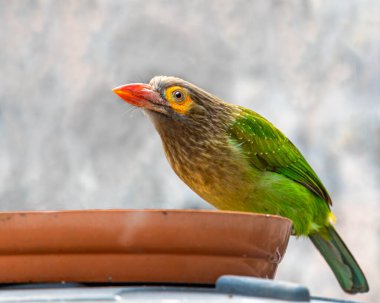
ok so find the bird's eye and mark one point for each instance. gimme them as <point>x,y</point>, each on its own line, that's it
<point>179,99</point>
<point>178,96</point>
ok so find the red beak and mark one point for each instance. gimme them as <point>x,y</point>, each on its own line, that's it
<point>138,94</point>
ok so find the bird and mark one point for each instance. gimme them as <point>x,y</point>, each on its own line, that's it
<point>237,160</point>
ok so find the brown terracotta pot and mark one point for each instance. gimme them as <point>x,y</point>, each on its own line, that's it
<point>182,246</point>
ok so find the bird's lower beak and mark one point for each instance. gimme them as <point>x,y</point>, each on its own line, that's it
<point>138,94</point>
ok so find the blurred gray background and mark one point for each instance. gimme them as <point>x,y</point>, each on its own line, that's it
<point>310,67</point>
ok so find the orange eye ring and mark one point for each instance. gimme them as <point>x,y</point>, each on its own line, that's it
<point>179,99</point>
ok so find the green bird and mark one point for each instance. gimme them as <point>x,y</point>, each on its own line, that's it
<point>237,160</point>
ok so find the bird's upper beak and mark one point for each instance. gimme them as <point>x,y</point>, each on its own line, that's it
<point>139,94</point>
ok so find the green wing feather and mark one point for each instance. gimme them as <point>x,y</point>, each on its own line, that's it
<point>267,148</point>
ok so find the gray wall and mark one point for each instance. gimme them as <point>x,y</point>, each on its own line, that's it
<point>311,67</point>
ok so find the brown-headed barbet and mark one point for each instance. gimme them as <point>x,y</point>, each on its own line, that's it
<point>237,160</point>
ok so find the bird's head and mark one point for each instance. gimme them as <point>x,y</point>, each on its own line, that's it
<point>171,98</point>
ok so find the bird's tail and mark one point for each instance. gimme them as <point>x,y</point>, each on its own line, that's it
<point>347,271</point>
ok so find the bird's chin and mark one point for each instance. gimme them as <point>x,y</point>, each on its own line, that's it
<point>158,119</point>
<point>156,114</point>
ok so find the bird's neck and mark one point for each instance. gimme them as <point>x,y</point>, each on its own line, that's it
<point>188,145</point>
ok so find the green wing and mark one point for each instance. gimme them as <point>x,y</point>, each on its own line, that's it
<point>268,149</point>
